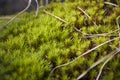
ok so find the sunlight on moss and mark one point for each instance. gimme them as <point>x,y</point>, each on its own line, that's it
<point>31,47</point>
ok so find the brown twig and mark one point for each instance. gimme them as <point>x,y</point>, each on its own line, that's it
<point>91,36</point>
<point>60,19</point>
<point>86,15</point>
<point>78,30</point>
<point>106,33</point>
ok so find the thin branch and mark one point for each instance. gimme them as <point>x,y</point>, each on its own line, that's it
<point>82,55</point>
<point>111,4</point>
<point>55,16</point>
<point>97,35</point>
<point>60,19</point>
<point>78,30</point>
<point>118,27</point>
<point>37,9</point>
<point>6,25</point>
<point>83,12</point>
<point>96,63</point>
<point>7,18</point>
<point>104,34</point>
<point>110,32</point>
<point>100,35</point>
<point>117,51</point>
<point>87,15</point>
<point>46,2</point>
<point>118,22</point>
<point>98,1</point>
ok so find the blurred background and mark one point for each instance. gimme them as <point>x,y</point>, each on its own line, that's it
<point>8,7</point>
<point>12,6</point>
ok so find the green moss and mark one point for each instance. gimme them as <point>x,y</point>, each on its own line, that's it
<point>31,47</point>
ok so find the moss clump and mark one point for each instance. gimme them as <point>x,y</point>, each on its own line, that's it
<point>31,48</point>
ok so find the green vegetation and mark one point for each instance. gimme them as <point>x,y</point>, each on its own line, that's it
<point>31,47</point>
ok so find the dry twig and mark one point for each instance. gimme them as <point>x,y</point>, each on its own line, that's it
<point>37,9</point>
<point>111,4</point>
<point>60,19</point>
<point>96,63</point>
<point>100,35</point>
<point>82,55</point>
<point>118,27</point>
<point>5,26</point>
<point>105,33</point>
<point>87,15</point>
<point>47,2</point>
<point>113,54</point>
<point>8,18</point>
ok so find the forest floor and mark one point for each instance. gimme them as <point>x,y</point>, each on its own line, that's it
<point>67,41</point>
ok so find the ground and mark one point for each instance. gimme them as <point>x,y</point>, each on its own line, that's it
<point>30,47</point>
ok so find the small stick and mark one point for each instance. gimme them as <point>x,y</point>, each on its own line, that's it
<point>96,63</point>
<point>55,16</point>
<point>46,2</point>
<point>7,18</point>
<point>111,4</point>
<point>86,15</point>
<point>82,55</point>
<point>104,34</point>
<point>6,25</point>
<point>78,30</point>
<point>60,19</point>
<point>91,36</point>
<point>98,1</point>
<point>112,31</point>
<point>37,9</point>
<point>118,50</point>
<point>95,35</point>
<point>118,27</point>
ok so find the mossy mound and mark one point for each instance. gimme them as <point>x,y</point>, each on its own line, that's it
<point>30,48</point>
